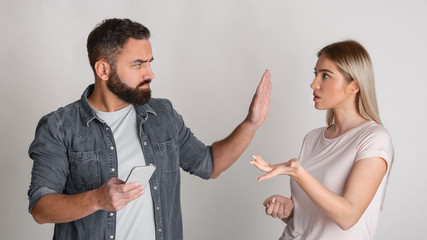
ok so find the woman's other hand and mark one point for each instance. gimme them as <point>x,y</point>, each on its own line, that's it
<point>278,206</point>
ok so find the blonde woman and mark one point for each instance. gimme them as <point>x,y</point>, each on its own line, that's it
<point>338,181</point>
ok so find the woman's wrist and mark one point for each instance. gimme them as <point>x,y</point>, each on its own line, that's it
<point>298,172</point>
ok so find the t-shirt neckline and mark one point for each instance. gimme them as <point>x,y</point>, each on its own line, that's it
<point>344,134</point>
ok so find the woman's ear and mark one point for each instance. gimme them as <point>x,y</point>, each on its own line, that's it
<point>102,69</point>
<point>354,87</point>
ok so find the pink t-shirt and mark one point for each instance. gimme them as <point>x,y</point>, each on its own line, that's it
<point>330,162</point>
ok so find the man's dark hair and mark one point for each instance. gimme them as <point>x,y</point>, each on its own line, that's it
<point>108,38</point>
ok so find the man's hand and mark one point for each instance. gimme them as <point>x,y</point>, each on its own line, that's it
<point>60,208</point>
<point>228,150</point>
<point>115,194</point>
<point>278,206</point>
<point>260,104</point>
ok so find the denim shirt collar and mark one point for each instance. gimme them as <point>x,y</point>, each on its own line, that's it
<point>88,114</point>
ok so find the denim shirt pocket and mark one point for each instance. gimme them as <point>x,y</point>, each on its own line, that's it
<point>85,168</point>
<point>169,152</point>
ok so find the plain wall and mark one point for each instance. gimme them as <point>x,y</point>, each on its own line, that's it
<point>209,57</point>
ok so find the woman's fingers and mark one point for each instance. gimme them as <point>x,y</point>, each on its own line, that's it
<point>260,160</point>
<point>267,201</point>
<point>270,207</point>
<point>260,166</point>
<point>268,176</point>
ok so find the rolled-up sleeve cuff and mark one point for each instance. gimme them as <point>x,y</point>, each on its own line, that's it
<point>42,191</point>
<point>206,167</point>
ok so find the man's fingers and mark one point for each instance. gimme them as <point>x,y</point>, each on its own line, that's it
<point>268,87</point>
<point>127,187</point>
<point>115,181</point>
<point>267,83</point>
<point>133,192</point>
<point>266,77</point>
<point>135,195</point>
<point>264,84</point>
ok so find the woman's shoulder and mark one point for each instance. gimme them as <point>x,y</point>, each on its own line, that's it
<point>316,131</point>
<point>374,130</point>
<point>314,135</point>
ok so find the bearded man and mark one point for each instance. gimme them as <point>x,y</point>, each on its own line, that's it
<point>82,152</point>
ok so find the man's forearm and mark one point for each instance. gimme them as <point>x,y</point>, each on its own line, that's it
<point>228,150</point>
<point>60,208</point>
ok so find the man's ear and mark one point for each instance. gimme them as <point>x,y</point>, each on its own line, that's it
<point>102,69</point>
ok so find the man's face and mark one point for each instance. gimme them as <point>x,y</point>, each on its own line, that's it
<point>130,78</point>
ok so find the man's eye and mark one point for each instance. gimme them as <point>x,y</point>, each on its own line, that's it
<point>137,66</point>
<point>315,74</point>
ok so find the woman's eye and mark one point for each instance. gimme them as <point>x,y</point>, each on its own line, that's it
<point>326,76</point>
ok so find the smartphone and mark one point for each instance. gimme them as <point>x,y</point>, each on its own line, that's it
<point>141,174</point>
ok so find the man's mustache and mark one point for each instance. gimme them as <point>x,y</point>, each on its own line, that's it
<point>144,82</point>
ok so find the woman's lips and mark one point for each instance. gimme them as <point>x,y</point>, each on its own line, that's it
<point>316,97</point>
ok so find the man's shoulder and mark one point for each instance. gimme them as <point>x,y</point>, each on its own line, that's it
<point>68,109</point>
<point>159,104</point>
<point>63,114</point>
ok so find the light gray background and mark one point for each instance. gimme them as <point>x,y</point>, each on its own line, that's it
<point>209,57</point>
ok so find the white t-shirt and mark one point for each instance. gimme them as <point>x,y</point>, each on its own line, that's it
<point>330,162</point>
<point>136,219</point>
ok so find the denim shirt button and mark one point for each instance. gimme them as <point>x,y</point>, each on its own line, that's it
<point>158,208</point>
<point>155,187</point>
<point>160,230</point>
<point>111,214</point>
<point>111,236</point>
<point>113,169</point>
<point>145,143</point>
<point>112,148</point>
<point>106,129</point>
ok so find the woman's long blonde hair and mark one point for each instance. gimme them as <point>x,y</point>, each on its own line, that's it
<point>354,63</point>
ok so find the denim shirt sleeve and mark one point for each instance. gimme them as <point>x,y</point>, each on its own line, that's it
<point>195,157</point>
<point>50,166</point>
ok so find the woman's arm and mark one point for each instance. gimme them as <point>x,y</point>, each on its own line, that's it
<point>361,186</point>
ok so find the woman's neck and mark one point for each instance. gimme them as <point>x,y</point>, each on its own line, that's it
<point>344,121</point>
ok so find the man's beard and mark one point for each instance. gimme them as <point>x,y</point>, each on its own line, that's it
<point>130,95</point>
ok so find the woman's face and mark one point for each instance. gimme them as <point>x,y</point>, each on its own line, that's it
<point>330,89</point>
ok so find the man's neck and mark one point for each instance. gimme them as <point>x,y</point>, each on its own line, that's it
<point>102,99</point>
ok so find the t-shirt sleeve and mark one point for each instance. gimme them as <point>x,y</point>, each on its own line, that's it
<point>376,142</point>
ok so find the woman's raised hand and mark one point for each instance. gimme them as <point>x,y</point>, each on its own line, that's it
<point>287,168</point>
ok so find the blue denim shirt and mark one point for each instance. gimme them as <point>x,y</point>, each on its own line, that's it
<point>74,152</point>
